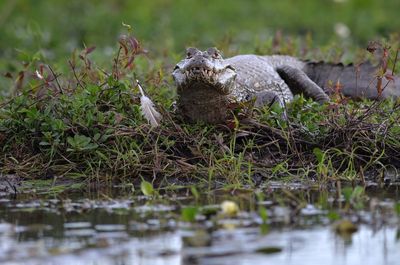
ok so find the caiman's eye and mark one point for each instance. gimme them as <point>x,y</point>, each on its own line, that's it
<point>214,53</point>
<point>190,52</point>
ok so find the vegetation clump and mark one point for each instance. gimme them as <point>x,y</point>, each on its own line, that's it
<point>86,124</point>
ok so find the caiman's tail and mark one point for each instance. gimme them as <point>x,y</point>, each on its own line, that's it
<point>356,81</point>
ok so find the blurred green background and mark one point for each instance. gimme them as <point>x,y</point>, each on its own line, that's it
<point>57,27</point>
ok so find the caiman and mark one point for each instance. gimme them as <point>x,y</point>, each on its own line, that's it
<point>208,85</point>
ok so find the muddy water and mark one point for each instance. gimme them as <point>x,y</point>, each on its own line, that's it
<point>299,227</point>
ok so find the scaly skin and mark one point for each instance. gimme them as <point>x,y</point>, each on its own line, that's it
<point>207,84</point>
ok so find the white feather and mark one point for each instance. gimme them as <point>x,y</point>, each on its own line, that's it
<point>147,108</point>
<point>149,112</point>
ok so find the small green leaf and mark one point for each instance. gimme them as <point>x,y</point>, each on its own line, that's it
<point>333,216</point>
<point>319,154</point>
<point>90,146</point>
<point>147,188</point>
<point>71,141</point>
<point>357,192</point>
<point>102,156</point>
<point>347,191</point>
<point>96,137</point>
<point>263,214</point>
<point>189,214</point>
<point>195,193</point>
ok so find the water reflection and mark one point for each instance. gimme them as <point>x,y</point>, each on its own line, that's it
<point>139,231</point>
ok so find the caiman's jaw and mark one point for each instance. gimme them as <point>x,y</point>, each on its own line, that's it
<point>204,70</point>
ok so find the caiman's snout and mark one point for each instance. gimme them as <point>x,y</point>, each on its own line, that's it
<point>204,69</point>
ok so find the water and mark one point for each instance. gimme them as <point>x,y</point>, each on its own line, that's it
<point>125,229</point>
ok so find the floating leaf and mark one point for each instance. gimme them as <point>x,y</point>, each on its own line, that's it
<point>189,214</point>
<point>269,250</point>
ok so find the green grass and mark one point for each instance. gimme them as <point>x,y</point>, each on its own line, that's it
<point>82,120</point>
<point>55,29</point>
<point>87,122</point>
<point>172,24</point>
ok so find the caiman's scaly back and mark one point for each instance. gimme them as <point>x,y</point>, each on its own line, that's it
<point>356,81</point>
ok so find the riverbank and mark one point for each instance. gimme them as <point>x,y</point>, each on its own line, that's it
<point>84,126</point>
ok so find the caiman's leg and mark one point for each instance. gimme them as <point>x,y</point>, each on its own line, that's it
<point>267,98</point>
<point>299,83</point>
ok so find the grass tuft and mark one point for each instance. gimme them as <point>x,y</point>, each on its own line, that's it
<point>87,122</point>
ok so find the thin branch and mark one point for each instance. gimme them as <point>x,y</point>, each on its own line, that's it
<point>56,79</point>
<point>76,77</point>
<point>395,60</point>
